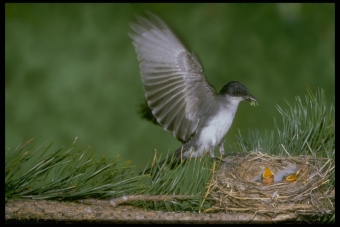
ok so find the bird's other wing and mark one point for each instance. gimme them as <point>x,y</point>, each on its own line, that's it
<point>173,78</point>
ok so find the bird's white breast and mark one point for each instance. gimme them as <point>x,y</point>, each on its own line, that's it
<point>216,129</point>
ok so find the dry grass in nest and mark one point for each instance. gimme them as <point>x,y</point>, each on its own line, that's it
<point>238,187</point>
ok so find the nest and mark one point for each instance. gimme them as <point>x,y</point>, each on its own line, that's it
<point>238,186</point>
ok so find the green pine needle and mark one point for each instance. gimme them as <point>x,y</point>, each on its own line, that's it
<point>66,174</point>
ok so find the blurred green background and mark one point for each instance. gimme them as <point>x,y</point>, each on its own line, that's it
<point>71,69</point>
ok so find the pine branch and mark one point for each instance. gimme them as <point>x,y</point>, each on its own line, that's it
<point>75,173</point>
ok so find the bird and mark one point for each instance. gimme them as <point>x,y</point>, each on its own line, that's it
<point>179,95</point>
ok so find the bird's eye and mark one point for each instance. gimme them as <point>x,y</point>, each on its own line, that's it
<point>238,91</point>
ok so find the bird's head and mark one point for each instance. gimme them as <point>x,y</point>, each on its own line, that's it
<point>237,91</point>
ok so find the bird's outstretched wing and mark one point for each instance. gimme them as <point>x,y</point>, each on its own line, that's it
<point>173,78</point>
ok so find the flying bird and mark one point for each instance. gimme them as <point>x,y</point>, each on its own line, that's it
<point>178,93</point>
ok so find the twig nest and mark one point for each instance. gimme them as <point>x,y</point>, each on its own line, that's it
<point>273,185</point>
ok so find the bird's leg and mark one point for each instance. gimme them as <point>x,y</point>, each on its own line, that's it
<point>221,146</point>
<point>212,152</point>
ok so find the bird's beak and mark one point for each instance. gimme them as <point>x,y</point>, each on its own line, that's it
<point>251,98</point>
